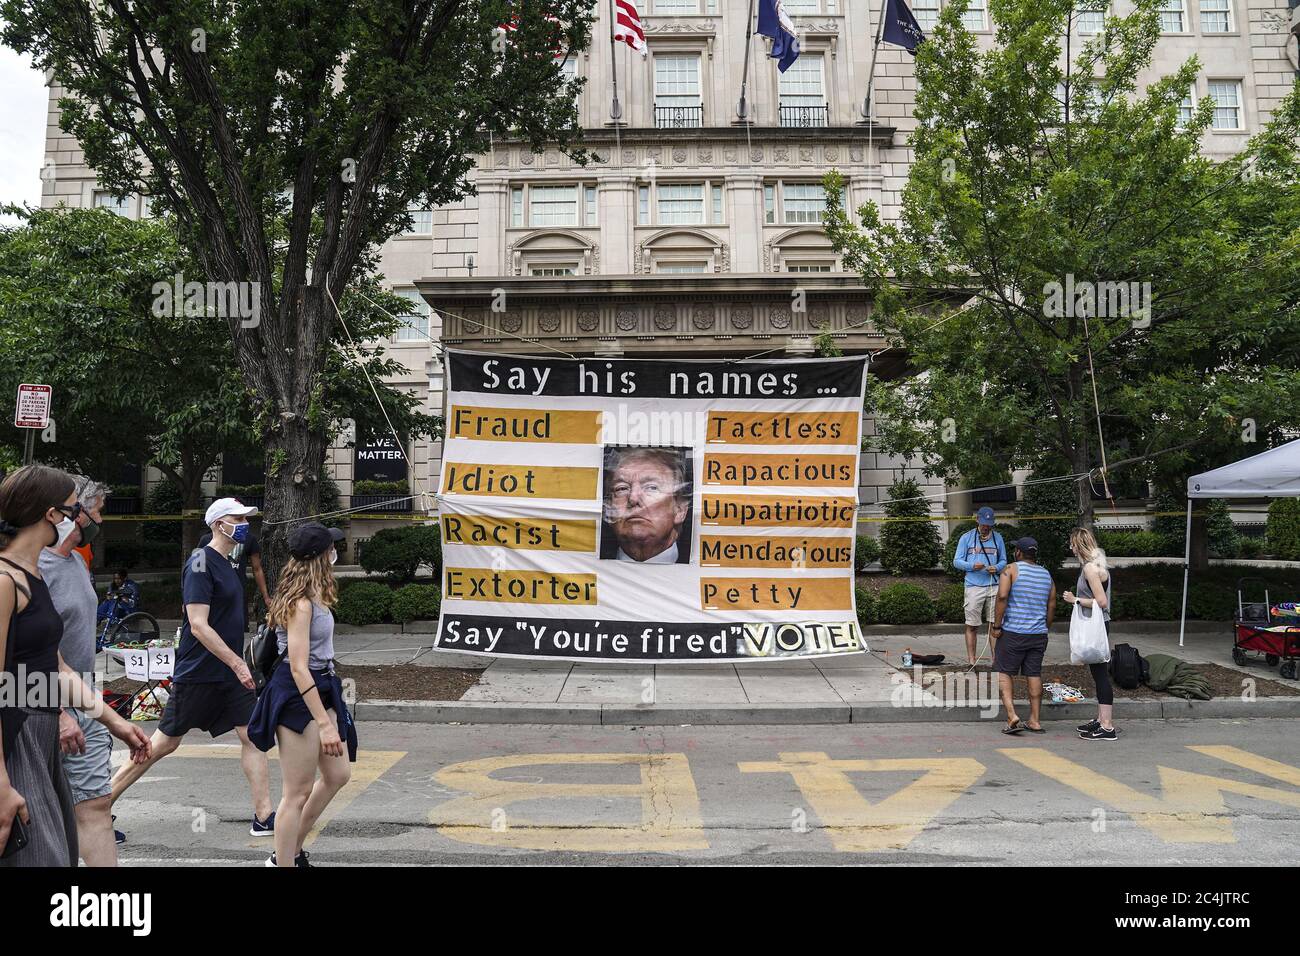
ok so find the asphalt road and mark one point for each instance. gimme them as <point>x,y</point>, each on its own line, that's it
<point>1174,793</point>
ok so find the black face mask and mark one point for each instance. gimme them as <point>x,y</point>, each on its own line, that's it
<point>90,532</point>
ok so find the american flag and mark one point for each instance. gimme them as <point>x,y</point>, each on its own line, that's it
<point>627,25</point>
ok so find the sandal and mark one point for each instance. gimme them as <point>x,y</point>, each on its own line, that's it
<point>1036,730</point>
<point>1014,728</point>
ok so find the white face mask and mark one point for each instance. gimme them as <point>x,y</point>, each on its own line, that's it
<point>334,555</point>
<point>64,529</point>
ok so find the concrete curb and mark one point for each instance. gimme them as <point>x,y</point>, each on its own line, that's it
<point>881,712</point>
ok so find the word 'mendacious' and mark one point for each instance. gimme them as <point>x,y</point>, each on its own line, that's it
<point>646,510</point>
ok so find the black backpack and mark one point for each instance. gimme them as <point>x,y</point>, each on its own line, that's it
<point>1128,668</point>
<point>263,655</point>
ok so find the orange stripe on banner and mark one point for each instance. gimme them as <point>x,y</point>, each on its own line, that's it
<point>775,551</point>
<point>519,534</point>
<point>776,594</point>
<point>783,428</point>
<point>518,587</point>
<point>759,511</point>
<point>520,481</point>
<point>813,471</point>
<point>487,423</point>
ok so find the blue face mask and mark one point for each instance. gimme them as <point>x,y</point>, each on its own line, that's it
<point>239,535</point>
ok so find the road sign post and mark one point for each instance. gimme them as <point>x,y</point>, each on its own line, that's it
<point>32,412</point>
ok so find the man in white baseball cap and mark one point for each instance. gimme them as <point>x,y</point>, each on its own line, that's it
<point>212,688</point>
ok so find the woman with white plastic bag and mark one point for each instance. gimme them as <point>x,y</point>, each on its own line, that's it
<point>1090,629</point>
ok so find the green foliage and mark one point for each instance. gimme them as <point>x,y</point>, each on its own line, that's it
<point>904,603</point>
<point>164,498</point>
<point>330,501</point>
<point>416,602</point>
<point>240,491</point>
<point>950,605</point>
<point>1036,170</point>
<point>865,550</point>
<point>1170,521</point>
<point>1136,544</point>
<point>910,543</point>
<point>1250,548</point>
<point>1052,534</point>
<point>1283,529</point>
<point>364,602</point>
<point>400,552</point>
<point>367,486</point>
<point>866,607</point>
<point>1225,542</point>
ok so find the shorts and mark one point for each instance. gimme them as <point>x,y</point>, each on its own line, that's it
<point>979,602</point>
<point>90,774</point>
<point>216,708</point>
<point>1020,654</point>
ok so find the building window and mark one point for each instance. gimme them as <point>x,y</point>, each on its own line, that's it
<point>680,203</point>
<point>1226,95</point>
<point>803,99</point>
<point>676,6</point>
<point>926,13</point>
<point>973,18</point>
<point>677,91</point>
<point>681,267</point>
<point>803,202</point>
<point>106,200</point>
<point>1216,16</point>
<point>553,205</point>
<point>415,324</point>
<point>769,204</point>
<point>1187,109</point>
<point>556,269</point>
<point>1091,18</point>
<point>572,204</point>
<point>802,8</point>
<point>1171,17</point>
<point>421,223</point>
<point>809,267</point>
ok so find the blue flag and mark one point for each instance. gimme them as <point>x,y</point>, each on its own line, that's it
<point>774,22</point>
<point>901,28</point>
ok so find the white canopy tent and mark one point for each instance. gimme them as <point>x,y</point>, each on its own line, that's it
<point>1271,474</point>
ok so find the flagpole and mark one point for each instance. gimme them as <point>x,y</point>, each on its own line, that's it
<point>615,110</point>
<point>742,111</point>
<point>871,77</point>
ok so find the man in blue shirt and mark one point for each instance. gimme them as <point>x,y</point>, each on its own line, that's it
<point>212,688</point>
<point>982,554</point>
<point>1025,608</point>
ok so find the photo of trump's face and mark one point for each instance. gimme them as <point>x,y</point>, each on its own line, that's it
<point>647,497</point>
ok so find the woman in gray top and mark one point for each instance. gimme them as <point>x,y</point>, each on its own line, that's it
<point>1094,597</point>
<point>302,709</point>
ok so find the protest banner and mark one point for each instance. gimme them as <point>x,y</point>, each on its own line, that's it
<point>650,510</point>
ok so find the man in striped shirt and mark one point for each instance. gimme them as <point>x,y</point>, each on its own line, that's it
<point>1021,620</point>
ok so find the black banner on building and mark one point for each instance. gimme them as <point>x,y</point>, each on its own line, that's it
<point>380,459</point>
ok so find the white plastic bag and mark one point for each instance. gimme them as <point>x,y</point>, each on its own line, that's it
<point>1088,641</point>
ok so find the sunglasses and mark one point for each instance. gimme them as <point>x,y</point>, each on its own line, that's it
<point>72,511</point>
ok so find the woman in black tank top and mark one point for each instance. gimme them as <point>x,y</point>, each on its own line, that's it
<point>38,509</point>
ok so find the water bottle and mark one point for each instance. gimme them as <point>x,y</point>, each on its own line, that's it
<point>907,657</point>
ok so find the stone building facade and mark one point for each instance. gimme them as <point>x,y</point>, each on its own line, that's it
<point>693,233</point>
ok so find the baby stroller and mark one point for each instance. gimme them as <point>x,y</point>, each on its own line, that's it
<point>1268,629</point>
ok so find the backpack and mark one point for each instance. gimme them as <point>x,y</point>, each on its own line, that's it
<point>1128,668</point>
<point>263,655</point>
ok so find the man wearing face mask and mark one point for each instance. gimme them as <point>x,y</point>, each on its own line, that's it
<point>246,555</point>
<point>212,688</point>
<point>86,745</point>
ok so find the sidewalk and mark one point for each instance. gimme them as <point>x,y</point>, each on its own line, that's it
<point>853,688</point>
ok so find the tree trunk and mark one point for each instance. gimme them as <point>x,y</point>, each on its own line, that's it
<point>191,500</point>
<point>1081,456</point>
<point>294,459</point>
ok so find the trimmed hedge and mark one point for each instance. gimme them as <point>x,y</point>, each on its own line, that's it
<point>904,603</point>
<point>1283,529</point>
<point>364,602</point>
<point>1137,544</point>
<point>866,549</point>
<point>950,605</point>
<point>866,607</point>
<point>399,553</point>
<point>367,486</point>
<point>910,543</point>
<point>416,602</point>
